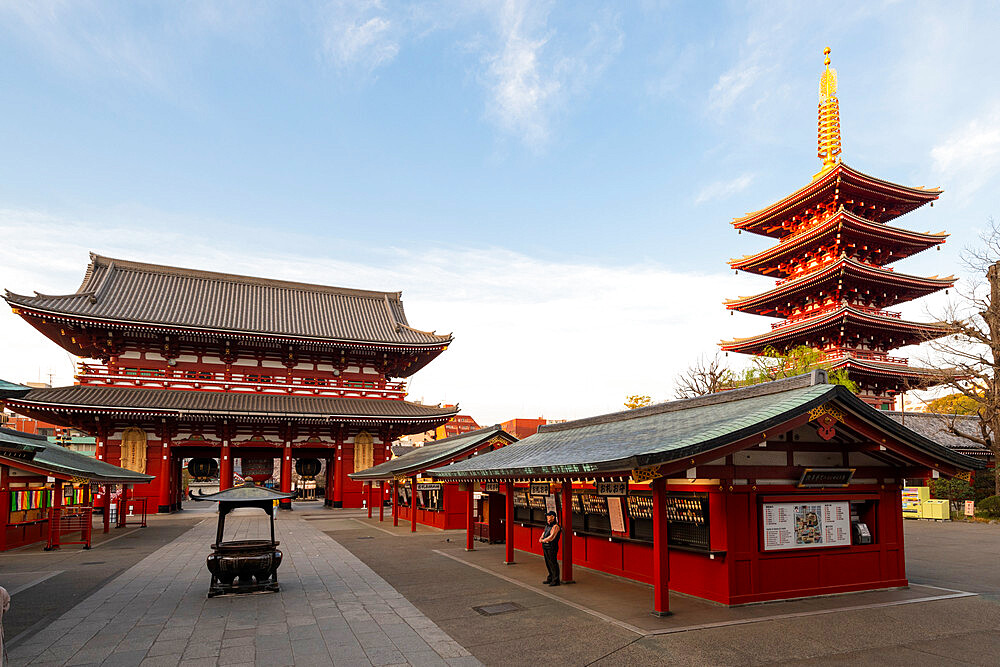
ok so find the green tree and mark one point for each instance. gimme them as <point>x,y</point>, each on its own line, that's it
<point>772,365</point>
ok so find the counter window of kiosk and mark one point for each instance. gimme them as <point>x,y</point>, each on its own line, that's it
<point>595,509</point>
<point>537,505</point>
<point>687,518</point>
<point>522,512</point>
<point>431,499</point>
<point>579,519</point>
<point>29,503</point>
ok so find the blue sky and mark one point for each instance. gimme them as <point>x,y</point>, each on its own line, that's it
<point>552,181</point>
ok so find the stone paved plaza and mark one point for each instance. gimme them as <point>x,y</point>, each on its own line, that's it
<point>332,609</point>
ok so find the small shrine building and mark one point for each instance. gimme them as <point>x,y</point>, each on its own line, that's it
<point>185,363</point>
<point>780,490</point>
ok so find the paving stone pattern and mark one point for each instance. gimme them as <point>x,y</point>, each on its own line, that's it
<point>332,609</point>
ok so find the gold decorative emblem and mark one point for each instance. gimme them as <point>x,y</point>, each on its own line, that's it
<point>826,409</point>
<point>826,416</point>
<point>646,474</point>
<point>965,476</point>
<point>134,449</point>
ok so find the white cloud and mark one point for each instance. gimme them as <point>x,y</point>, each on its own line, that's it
<point>723,189</point>
<point>533,337</point>
<point>970,156</point>
<point>530,77</point>
<point>731,85</point>
<point>359,33</point>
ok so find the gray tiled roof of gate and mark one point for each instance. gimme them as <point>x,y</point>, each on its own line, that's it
<point>228,403</point>
<point>431,454</point>
<point>932,427</point>
<point>8,389</point>
<point>58,459</point>
<point>675,430</point>
<point>126,291</point>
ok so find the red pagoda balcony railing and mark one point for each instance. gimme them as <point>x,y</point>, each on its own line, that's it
<point>829,309</point>
<point>866,355</point>
<point>207,380</point>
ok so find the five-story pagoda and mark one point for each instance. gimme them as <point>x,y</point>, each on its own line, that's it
<point>833,285</point>
<point>198,364</point>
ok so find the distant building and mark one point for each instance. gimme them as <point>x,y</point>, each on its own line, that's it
<point>458,425</point>
<point>521,428</point>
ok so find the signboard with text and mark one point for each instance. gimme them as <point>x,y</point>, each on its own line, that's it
<point>539,489</point>
<point>805,525</point>
<point>820,478</point>
<point>429,486</point>
<point>617,488</point>
<point>492,487</point>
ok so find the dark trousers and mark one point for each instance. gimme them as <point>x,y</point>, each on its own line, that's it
<point>551,562</point>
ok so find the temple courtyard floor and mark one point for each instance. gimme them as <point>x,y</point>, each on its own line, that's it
<point>355,592</point>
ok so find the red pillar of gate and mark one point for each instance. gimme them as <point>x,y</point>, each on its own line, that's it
<point>381,501</point>
<point>338,474</point>
<point>567,531</point>
<point>395,502</point>
<point>369,500</point>
<point>107,508</point>
<point>165,477</point>
<point>225,467</point>
<point>413,504</point>
<point>286,475</point>
<point>661,553</point>
<point>328,490</point>
<point>509,523</point>
<point>469,515</point>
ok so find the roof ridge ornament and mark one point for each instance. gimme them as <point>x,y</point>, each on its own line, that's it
<point>828,139</point>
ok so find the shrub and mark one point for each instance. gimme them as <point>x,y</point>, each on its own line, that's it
<point>953,489</point>
<point>989,506</point>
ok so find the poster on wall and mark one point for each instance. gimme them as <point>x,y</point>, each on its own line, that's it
<point>616,514</point>
<point>806,525</point>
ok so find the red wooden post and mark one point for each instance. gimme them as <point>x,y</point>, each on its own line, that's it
<point>286,475</point>
<point>55,515</point>
<point>107,508</point>
<point>509,524</point>
<point>413,504</point>
<point>381,501</point>
<point>395,502</point>
<point>166,473</point>
<point>225,467</point>
<point>469,518</point>
<point>661,552</point>
<point>370,499</point>
<point>567,531</point>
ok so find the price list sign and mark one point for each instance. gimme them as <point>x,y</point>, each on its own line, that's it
<point>806,525</point>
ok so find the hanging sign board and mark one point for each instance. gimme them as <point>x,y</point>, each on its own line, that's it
<point>616,514</point>
<point>618,488</point>
<point>806,525</point>
<point>823,478</point>
<point>550,504</point>
<point>429,486</point>
<point>492,487</point>
<point>539,489</point>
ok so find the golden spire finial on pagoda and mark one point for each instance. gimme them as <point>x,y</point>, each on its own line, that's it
<point>829,118</point>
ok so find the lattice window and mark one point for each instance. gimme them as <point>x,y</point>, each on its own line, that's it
<point>364,451</point>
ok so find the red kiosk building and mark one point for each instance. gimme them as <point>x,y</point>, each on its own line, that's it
<point>419,498</point>
<point>833,285</point>
<point>780,490</point>
<point>203,364</point>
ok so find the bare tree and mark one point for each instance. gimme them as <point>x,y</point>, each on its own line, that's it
<point>705,376</point>
<point>970,352</point>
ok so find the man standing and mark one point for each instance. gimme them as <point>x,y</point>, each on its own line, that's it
<point>550,547</point>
